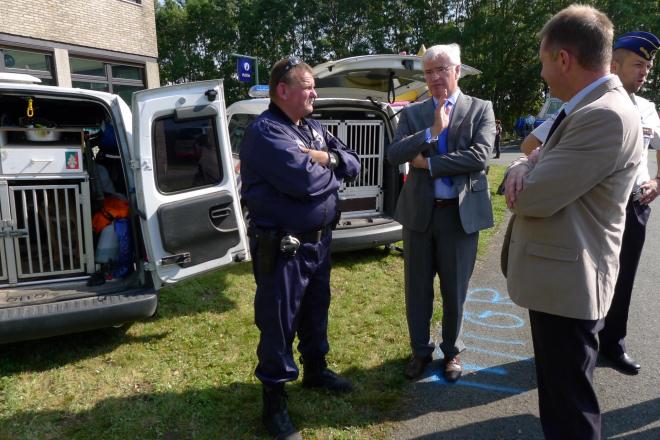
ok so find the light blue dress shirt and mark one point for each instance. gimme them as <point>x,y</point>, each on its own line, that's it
<point>442,190</point>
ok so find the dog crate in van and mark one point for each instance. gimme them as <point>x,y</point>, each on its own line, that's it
<point>45,206</point>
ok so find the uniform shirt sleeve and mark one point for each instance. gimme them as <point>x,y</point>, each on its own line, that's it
<point>541,132</point>
<point>276,157</point>
<point>652,120</point>
<point>349,163</point>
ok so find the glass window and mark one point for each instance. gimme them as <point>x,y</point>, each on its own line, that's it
<point>80,66</point>
<point>18,59</point>
<point>127,72</point>
<point>186,154</point>
<point>32,63</point>
<point>125,91</point>
<point>237,126</point>
<point>120,79</point>
<point>103,87</point>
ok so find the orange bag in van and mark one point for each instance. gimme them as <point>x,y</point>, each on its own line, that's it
<point>113,208</point>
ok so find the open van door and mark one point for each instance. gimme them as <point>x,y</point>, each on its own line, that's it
<point>383,77</point>
<point>186,188</point>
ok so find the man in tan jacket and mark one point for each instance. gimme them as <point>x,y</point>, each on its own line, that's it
<point>569,200</point>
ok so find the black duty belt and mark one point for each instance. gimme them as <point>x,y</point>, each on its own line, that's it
<point>312,236</point>
<point>441,203</point>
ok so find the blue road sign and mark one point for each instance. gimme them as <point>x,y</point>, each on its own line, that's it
<point>244,69</point>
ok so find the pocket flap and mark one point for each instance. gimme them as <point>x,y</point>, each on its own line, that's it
<point>552,252</point>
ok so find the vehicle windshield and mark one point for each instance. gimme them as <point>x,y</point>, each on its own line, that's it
<point>554,106</point>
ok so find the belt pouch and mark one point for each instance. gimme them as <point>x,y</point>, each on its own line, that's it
<point>267,248</point>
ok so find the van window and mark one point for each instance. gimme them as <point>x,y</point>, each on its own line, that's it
<point>237,126</point>
<point>554,107</point>
<point>186,154</point>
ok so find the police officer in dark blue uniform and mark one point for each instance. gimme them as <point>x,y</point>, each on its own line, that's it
<point>291,169</point>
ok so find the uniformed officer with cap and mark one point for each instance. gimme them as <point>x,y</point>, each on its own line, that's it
<point>291,169</point>
<point>632,60</point>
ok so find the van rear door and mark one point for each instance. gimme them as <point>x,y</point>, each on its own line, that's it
<point>186,188</point>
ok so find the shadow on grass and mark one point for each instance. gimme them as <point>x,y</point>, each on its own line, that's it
<point>207,293</point>
<point>50,353</point>
<point>233,410</point>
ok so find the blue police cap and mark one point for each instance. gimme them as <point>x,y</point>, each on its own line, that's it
<point>644,44</point>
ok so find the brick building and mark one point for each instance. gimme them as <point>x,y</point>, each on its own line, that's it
<point>107,45</point>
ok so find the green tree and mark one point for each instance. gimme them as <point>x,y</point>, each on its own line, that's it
<point>197,37</point>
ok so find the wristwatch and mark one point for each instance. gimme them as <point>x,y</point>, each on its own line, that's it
<point>333,160</point>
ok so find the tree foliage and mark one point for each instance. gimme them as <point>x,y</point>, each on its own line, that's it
<point>196,38</point>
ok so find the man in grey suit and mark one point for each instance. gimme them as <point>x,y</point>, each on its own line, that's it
<point>443,205</point>
<point>570,200</point>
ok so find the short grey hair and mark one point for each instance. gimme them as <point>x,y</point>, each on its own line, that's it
<point>451,51</point>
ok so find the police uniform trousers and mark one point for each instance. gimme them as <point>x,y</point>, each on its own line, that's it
<point>294,299</point>
<point>447,250</point>
<point>612,336</point>
<point>565,353</point>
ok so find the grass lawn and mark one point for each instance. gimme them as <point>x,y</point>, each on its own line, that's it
<point>188,372</point>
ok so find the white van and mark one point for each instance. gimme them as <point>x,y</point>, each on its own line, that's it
<point>358,102</point>
<point>77,162</point>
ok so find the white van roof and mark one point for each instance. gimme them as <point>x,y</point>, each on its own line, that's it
<point>18,78</point>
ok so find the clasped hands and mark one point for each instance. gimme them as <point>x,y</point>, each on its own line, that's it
<point>516,175</point>
<point>440,122</point>
<point>650,191</point>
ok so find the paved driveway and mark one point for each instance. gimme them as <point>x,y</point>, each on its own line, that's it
<point>497,397</point>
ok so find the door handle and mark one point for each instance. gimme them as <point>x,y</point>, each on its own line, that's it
<point>220,213</point>
<point>223,219</point>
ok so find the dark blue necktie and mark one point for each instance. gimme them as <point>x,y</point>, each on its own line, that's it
<point>442,146</point>
<point>560,117</point>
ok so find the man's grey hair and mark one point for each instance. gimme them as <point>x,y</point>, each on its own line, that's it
<point>451,51</point>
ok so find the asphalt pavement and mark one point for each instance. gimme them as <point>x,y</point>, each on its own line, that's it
<point>497,396</point>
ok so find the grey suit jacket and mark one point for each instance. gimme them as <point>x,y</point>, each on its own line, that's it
<point>563,254</point>
<point>471,135</point>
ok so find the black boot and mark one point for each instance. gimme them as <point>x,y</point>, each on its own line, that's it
<point>275,415</point>
<point>318,375</point>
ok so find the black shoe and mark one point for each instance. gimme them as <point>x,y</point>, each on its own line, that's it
<point>316,374</point>
<point>416,366</point>
<point>624,363</point>
<point>275,416</point>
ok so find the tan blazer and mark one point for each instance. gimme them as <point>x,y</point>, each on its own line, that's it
<point>566,236</point>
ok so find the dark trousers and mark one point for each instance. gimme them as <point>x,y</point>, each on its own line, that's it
<point>497,145</point>
<point>448,251</point>
<point>612,336</point>
<point>294,299</point>
<point>565,352</point>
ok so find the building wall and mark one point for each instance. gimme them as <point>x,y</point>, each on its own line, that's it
<point>116,25</point>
